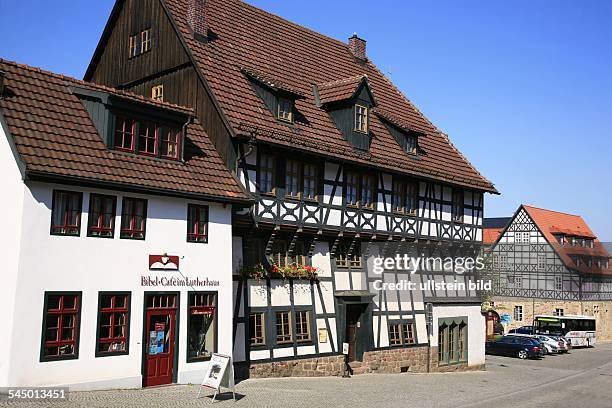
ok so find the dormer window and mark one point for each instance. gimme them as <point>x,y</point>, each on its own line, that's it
<point>411,144</point>
<point>157,140</point>
<point>170,143</point>
<point>147,139</point>
<point>124,133</point>
<point>361,119</point>
<point>285,109</point>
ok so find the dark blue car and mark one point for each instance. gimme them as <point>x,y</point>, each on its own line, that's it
<point>515,346</point>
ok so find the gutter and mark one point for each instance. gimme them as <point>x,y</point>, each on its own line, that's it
<point>82,181</point>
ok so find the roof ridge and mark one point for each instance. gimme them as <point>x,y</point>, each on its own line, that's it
<point>343,80</point>
<point>553,211</point>
<point>67,78</point>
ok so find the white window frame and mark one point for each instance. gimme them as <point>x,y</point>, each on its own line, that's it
<point>541,262</point>
<point>518,313</point>
<point>361,118</point>
<point>558,283</point>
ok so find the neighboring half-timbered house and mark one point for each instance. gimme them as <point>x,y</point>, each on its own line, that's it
<point>343,168</point>
<point>551,263</point>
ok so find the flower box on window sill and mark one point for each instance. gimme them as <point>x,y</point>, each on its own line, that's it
<point>293,271</point>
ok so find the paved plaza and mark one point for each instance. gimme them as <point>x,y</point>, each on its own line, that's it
<point>582,378</point>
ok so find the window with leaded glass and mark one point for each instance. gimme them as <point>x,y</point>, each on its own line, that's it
<point>257,330</point>
<point>310,181</point>
<point>405,196</point>
<point>197,223</point>
<point>133,218</point>
<point>66,213</point>
<point>113,324</point>
<point>352,188</point>
<point>292,177</point>
<point>368,184</point>
<point>101,221</point>
<point>61,321</point>
<point>457,205</point>
<point>202,323</point>
<point>125,130</point>
<point>283,327</point>
<point>266,173</point>
<point>302,326</point>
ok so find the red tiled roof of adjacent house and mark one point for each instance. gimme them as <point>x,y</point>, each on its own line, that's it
<point>490,235</point>
<point>55,137</point>
<point>553,222</point>
<point>245,36</point>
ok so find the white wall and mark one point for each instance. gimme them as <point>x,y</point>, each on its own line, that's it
<point>90,265</point>
<point>476,329</point>
<point>11,206</point>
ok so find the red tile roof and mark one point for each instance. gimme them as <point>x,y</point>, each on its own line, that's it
<point>339,90</point>
<point>55,137</point>
<point>490,235</point>
<point>553,222</point>
<point>245,36</point>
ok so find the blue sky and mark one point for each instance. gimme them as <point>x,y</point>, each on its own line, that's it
<point>523,88</point>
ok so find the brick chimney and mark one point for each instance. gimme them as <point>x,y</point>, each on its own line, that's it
<point>196,18</point>
<point>357,46</point>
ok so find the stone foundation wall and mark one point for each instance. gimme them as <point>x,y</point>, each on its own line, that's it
<point>307,367</point>
<point>531,307</point>
<point>397,360</point>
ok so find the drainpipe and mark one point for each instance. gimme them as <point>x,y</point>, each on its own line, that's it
<point>184,135</point>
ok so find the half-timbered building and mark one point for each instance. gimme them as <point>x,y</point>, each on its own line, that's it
<point>117,245</point>
<point>343,169</point>
<point>551,263</point>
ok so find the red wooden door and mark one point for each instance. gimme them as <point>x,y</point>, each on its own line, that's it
<point>159,351</point>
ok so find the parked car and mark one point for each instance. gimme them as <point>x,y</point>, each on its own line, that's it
<point>564,344</point>
<point>515,346</point>
<point>549,345</point>
<point>523,330</point>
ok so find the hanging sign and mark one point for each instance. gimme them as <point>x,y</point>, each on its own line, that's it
<point>345,348</point>
<point>220,373</point>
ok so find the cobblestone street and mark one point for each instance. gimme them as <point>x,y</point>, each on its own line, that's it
<point>581,378</point>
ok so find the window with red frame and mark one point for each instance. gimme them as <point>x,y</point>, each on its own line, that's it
<point>60,339</point>
<point>125,130</point>
<point>101,221</point>
<point>147,138</point>
<point>113,324</point>
<point>66,212</point>
<point>170,143</point>
<point>197,223</point>
<point>202,322</point>
<point>133,218</point>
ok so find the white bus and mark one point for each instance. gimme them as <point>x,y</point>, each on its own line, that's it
<point>580,330</point>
